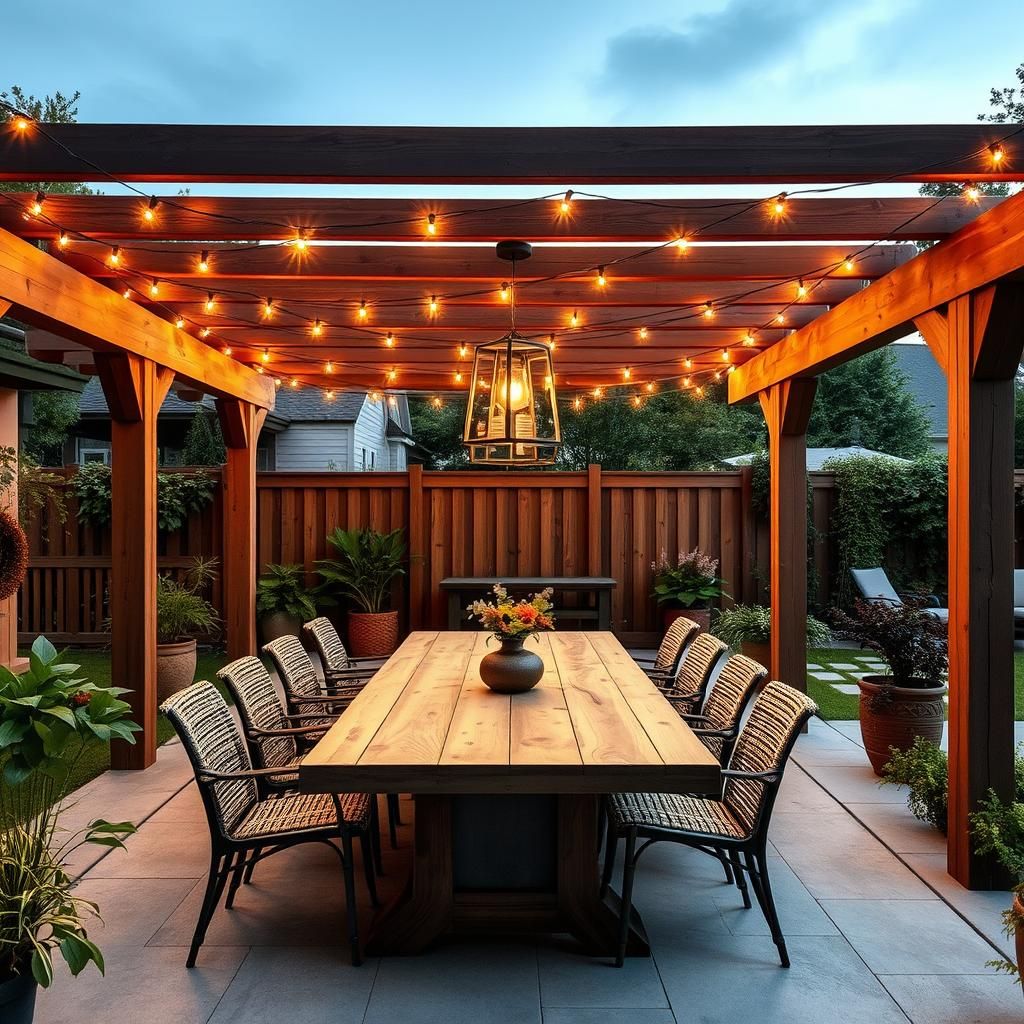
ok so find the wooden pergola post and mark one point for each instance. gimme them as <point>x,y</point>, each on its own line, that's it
<point>787,408</point>
<point>240,424</point>
<point>978,342</point>
<point>135,389</point>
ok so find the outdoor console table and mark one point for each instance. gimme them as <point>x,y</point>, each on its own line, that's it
<point>462,590</point>
<point>507,788</point>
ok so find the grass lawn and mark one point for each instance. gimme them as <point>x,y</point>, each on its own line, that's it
<point>843,706</point>
<point>95,666</point>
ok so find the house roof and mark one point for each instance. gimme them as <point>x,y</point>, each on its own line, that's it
<point>817,457</point>
<point>925,381</point>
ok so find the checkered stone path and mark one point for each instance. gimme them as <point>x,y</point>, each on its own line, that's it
<point>843,675</point>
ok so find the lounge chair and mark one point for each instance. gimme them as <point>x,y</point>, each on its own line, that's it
<point>874,585</point>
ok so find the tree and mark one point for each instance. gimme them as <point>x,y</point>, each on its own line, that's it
<point>866,402</point>
<point>204,443</point>
<point>437,429</point>
<point>54,413</point>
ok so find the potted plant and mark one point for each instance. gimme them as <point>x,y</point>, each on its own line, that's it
<point>747,628</point>
<point>688,586</point>
<point>181,612</point>
<point>513,669</point>
<point>907,703</point>
<point>368,563</point>
<point>282,602</point>
<point>49,718</point>
<point>998,830</point>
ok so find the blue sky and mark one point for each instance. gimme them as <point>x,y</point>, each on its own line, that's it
<point>525,62</point>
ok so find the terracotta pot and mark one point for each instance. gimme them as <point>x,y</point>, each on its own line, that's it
<point>372,634</point>
<point>175,667</point>
<point>702,616</point>
<point>761,653</point>
<point>279,624</point>
<point>913,712</point>
<point>512,668</point>
<point>18,998</point>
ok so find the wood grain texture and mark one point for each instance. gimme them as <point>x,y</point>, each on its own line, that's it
<point>427,724</point>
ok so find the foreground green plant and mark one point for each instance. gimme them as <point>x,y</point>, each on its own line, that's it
<point>181,609</point>
<point>924,770</point>
<point>282,588</point>
<point>752,623</point>
<point>49,717</point>
<point>367,564</point>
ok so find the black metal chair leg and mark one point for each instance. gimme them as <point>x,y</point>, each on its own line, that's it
<point>763,890</point>
<point>741,882</point>
<point>350,898</point>
<point>393,819</point>
<point>602,823</point>
<point>236,879</point>
<point>366,844</point>
<point>720,854</point>
<point>251,866</point>
<point>214,886</point>
<point>378,861</point>
<point>396,807</point>
<point>611,845</point>
<point>628,870</point>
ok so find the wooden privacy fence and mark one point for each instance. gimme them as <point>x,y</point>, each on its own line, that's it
<point>457,524</point>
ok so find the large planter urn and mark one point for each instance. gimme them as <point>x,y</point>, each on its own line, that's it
<point>913,711</point>
<point>18,998</point>
<point>702,616</point>
<point>761,653</point>
<point>278,624</point>
<point>175,667</point>
<point>372,634</point>
<point>511,668</point>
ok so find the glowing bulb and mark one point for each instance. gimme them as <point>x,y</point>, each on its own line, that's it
<point>649,387</point>
<point>748,338</point>
<point>204,262</point>
<point>115,256</point>
<point>329,395</point>
<point>777,205</point>
<point>463,351</point>
<point>643,333</point>
<point>780,317</point>
<point>299,242</point>
<point>732,369</point>
<point>126,294</point>
<point>362,310</point>
<point>21,124</point>
<point>971,192</point>
<point>996,153</point>
<point>577,403</point>
<point>627,373</point>
<point>209,302</point>
<point>179,322</point>
<point>432,224</point>
<point>686,382</point>
<point>227,350</point>
<point>566,203</point>
<point>698,391</point>
<point>37,204</point>
<point>317,329</point>
<point>637,401</point>
<point>62,239</point>
<point>293,382</point>
<point>265,356</point>
<point>392,376</point>
<point>149,213</point>
<point>801,289</point>
<point>849,264</point>
<point>328,367</point>
<point>709,311</point>
<point>601,279</point>
<point>154,288</point>
<point>718,374</point>
<point>268,309</point>
<point>457,376</point>
<point>574,320</point>
<point>436,402</point>
<point>598,393</point>
<point>504,291</point>
<point>551,342</point>
<point>688,363</point>
<point>205,333</point>
<point>725,355</point>
<point>432,306</point>
<point>682,243</point>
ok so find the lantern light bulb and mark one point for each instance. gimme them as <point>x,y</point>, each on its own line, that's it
<point>627,373</point>
<point>780,317</point>
<point>126,294</point>
<point>328,367</point>
<point>801,289</point>
<point>504,291</point>
<point>574,320</point>
<point>293,382</point>
<point>688,363</point>
<point>463,351</point>
<point>637,401</point>
<point>227,351</point>
<point>709,311</point>
<point>598,393</point>
<point>849,264</point>
<point>329,395</point>
<point>458,376</point>
<point>725,355</point>
<point>205,333</point>
<point>971,192</point>
<point>551,342</point>
<point>268,308</point>
<point>778,205</point>
<point>432,307</point>
<point>392,376</point>
<point>682,243</point>
<point>649,387</point>
<point>300,242</point>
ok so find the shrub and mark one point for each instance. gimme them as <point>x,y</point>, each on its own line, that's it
<point>366,565</point>
<point>692,581</point>
<point>751,623</point>
<point>181,609</point>
<point>282,588</point>
<point>924,770</point>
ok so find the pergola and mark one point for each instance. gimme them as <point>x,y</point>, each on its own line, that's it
<point>237,295</point>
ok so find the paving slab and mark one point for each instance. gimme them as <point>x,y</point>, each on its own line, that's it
<point>858,784</point>
<point>634,1015</point>
<point>132,910</point>
<point>160,850</point>
<point>957,999</point>
<point>568,979</point>
<point>899,829</point>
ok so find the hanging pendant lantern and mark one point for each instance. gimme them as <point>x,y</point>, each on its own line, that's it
<point>512,412</point>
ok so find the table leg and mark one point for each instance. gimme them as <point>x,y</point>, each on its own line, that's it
<point>604,610</point>
<point>454,610</point>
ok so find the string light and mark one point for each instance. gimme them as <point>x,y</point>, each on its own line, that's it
<point>149,213</point>
<point>205,333</point>
<point>971,192</point>
<point>204,262</point>
<point>688,363</point>
<point>277,382</point>
<point>126,294</point>
<point>649,387</point>
<point>259,370</point>
<point>154,288</point>
<point>62,239</point>
<point>432,224</point>
<point>598,393</point>
<point>849,264</point>
<point>682,243</point>
<point>179,322</point>
<point>709,311</point>
<point>36,206</point>
<point>392,376</point>
<point>627,373</point>
<point>732,368</point>
<point>996,153</point>
<point>329,395</point>
<point>718,374</point>
<point>227,350</point>
<point>601,279</point>
<point>293,382</point>
<point>432,305</point>
<point>209,302</point>
<point>551,342</point>
<point>748,339</point>
<point>504,291</point>
<point>577,403</point>
<point>643,333</point>
<point>698,391</point>
<point>463,351</point>
<point>458,376</point>
<point>328,367</point>
<point>566,203</point>
<point>780,317</point>
<point>436,402</point>
<point>389,340</point>
<point>265,355</point>
<point>574,320</point>
<point>777,206</point>
<point>317,329</point>
<point>268,309</point>
<point>362,313</point>
<point>637,401</point>
<point>115,256</point>
<point>725,355</point>
<point>801,289</point>
<point>299,242</point>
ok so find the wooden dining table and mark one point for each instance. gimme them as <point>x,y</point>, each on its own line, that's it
<point>507,788</point>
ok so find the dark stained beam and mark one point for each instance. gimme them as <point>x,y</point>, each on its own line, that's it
<point>203,218</point>
<point>554,156</point>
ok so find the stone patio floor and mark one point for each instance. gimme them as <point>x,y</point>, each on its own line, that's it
<point>877,931</point>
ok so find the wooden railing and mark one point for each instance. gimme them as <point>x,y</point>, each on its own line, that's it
<point>459,523</point>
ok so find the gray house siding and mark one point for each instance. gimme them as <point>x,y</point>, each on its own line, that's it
<point>370,448</point>
<point>315,446</point>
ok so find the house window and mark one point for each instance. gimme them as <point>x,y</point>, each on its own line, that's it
<point>364,460</point>
<point>94,455</point>
<point>373,460</point>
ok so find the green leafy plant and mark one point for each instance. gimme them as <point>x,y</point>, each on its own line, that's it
<point>49,718</point>
<point>181,609</point>
<point>204,443</point>
<point>751,623</point>
<point>368,562</point>
<point>178,495</point>
<point>924,770</point>
<point>913,643</point>
<point>282,588</point>
<point>690,582</point>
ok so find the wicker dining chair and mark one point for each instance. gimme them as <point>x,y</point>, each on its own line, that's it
<point>665,663</point>
<point>736,824</point>
<point>245,827</point>
<point>305,695</point>
<point>686,689</point>
<point>334,659</point>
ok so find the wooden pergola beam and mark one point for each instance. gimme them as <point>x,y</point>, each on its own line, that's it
<point>985,251</point>
<point>201,218</point>
<point>555,156</point>
<point>45,293</point>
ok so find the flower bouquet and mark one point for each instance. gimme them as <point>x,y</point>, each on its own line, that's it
<point>512,669</point>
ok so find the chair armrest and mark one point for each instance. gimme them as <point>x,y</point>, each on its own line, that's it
<point>369,662</point>
<point>207,775</point>
<point>732,773</point>
<point>295,730</point>
<point>337,698</point>
<point>349,673</point>
<point>692,718</point>
<point>312,714</point>
<point>681,698</point>
<point>725,734</point>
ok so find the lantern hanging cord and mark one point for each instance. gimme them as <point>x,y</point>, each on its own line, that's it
<point>512,297</point>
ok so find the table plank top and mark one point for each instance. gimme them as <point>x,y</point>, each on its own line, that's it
<point>426,723</point>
